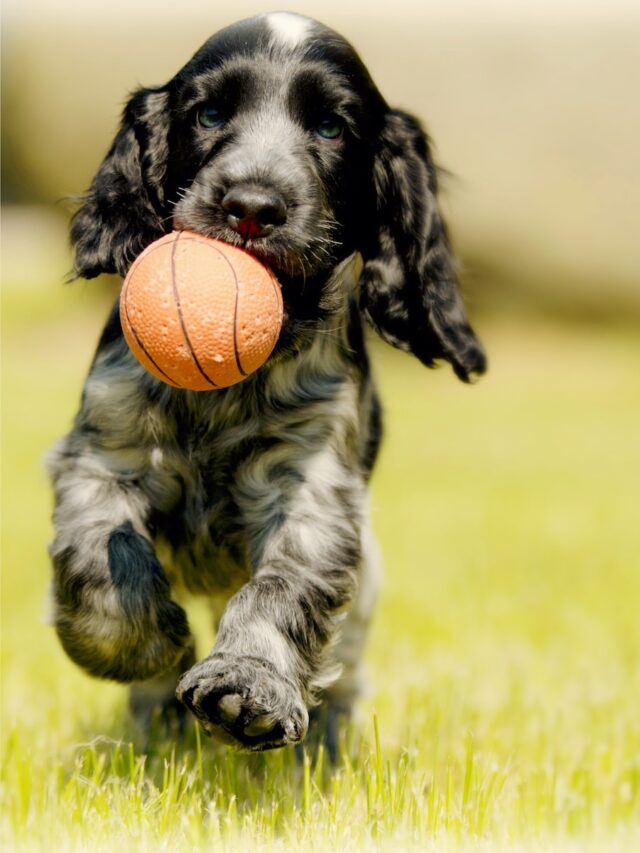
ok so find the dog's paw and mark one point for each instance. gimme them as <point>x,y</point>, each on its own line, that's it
<point>243,701</point>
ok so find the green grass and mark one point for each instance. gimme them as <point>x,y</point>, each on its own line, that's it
<point>504,656</point>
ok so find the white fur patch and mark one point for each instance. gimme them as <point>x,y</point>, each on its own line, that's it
<point>288,28</point>
<point>262,639</point>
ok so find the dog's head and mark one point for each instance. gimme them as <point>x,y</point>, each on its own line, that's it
<point>274,137</point>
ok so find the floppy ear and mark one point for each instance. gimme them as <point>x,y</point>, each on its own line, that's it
<point>122,211</point>
<point>409,288</point>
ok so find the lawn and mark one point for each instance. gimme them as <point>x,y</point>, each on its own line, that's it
<point>504,659</point>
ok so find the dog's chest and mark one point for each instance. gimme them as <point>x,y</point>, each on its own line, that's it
<point>223,468</point>
<point>199,530</point>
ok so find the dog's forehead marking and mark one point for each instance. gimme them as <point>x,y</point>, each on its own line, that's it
<point>288,28</point>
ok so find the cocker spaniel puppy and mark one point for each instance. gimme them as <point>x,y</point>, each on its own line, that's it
<point>272,137</point>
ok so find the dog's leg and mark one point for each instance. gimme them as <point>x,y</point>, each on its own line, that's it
<point>153,704</point>
<point>268,663</point>
<point>111,597</point>
<point>348,651</point>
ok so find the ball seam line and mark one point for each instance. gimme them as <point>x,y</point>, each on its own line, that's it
<point>235,330</point>
<point>278,295</point>
<point>123,298</point>
<point>236,352</point>
<point>193,236</point>
<point>235,314</point>
<point>222,255</point>
<point>176,296</point>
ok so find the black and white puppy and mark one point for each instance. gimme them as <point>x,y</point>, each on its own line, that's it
<point>273,137</point>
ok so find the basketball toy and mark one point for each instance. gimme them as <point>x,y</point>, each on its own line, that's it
<point>198,313</point>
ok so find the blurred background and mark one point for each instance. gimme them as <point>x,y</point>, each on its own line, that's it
<point>507,513</point>
<point>532,106</point>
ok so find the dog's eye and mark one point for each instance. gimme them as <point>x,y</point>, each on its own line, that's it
<point>210,117</point>
<point>330,127</point>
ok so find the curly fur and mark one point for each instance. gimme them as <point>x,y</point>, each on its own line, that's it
<point>255,495</point>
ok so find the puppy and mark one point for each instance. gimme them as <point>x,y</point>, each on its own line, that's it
<point>273,137</point>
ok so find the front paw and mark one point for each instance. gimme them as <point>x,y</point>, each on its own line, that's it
<point>244,701</point>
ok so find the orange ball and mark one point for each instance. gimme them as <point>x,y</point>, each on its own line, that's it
<point>198,313</point>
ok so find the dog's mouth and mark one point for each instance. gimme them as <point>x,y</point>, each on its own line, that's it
<point>296,269</point>
<point>282,261</point>
<point>292,258</point>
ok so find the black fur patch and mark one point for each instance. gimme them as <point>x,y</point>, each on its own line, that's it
<point>136,574</point>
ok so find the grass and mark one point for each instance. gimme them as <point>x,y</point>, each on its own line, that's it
<point>505,653</point>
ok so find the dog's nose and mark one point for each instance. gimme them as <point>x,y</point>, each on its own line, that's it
<point>254,211</point>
